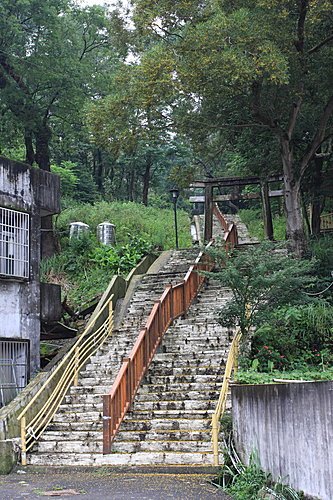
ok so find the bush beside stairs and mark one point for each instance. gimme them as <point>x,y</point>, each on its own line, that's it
<point>169,422</point>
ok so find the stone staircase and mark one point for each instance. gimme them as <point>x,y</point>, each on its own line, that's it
<point>169,421</point>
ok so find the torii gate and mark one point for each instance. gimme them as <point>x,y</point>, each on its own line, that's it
<point>210,198</point>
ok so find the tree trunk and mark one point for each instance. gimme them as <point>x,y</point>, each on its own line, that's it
<point>29,149</point>
<point>131,182</point>
<point>146,181</point>
<point>316,205</point>
<point>267,212</point>
<point>99,170</point>
<point>43,137</point>
<point>292,200</point>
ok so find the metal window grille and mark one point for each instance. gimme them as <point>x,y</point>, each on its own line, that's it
<point>14,368</point>
<point>14,243</point>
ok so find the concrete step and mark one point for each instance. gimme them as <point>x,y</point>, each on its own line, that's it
<point>213,385</point>
<point>140,458</point>
<point>131,436</point>
<point>172,414</point>
<point>95,403</point>
<point>189,354</point>
<point>94,446</point>
<point>70,416</point>
<point>95,396</point>
<point>183,379</point>
<point>135,424</point>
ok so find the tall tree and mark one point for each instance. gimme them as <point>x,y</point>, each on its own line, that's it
<point>265,64</point>
<point>51,54</point>
<point>133,120</point>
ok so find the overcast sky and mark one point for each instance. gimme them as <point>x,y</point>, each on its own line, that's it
<point>94,2</point>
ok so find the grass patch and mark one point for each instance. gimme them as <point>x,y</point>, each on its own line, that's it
<point>252,218</point>
<point>254,377</point>
<point>156,225</point>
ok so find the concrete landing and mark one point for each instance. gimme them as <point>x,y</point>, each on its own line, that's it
<point>104,483</point>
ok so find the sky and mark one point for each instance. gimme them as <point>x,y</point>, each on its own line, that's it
<point>93,2</point>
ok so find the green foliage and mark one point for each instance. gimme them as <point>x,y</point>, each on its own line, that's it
<point>255,377</point>
<point>253,220</point>
<point>251,482</point>
<point>322,250</point>
<point>261,279</point>
<point>246,486</point>
<point>120,260</point>
<point>84,267</point>
<point>43,79</point>
<point>131,219</point>
<point>68,178</point>
<point>295,337</point>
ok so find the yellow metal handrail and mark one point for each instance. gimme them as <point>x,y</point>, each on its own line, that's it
<point>232,364</point>
<point>87,344</point>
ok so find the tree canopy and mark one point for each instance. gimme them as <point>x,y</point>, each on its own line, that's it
<point>242,86</point>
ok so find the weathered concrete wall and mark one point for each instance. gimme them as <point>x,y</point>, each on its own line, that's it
<point>290,426</point>
<point>16,186</point>
<point>48,198</point>
<point>23,187</point>
<point>20,298</point>
<point>50,299</point>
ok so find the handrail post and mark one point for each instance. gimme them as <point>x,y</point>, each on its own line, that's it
<point>110,316</point>
<point>23,442</point>
<point>171,303</point>
<point>76,366</point>
<point>215,431</point>
<point>184,299</point>
<point>236,355</point>
<point>129,380</point>
<point>106,424</point>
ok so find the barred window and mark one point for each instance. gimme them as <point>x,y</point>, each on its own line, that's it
<point>14,243</point>
<point>14,368</point>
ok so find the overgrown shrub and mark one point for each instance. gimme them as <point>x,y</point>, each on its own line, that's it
<point>295,337</point>
<point>86,266</point>
<point>261,279</point>
<point>250,482</point>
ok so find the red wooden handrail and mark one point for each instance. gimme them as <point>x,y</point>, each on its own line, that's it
<point>217,212</point>
<point>174,302</point>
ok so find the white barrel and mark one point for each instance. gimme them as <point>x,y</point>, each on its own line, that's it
<point>106,233</point>
<point>76,229</point>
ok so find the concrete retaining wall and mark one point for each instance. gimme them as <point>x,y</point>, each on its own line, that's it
<point>290,427</point>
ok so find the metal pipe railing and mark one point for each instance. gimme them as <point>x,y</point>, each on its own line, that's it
<point>67,371</point>
<point>231,365</point>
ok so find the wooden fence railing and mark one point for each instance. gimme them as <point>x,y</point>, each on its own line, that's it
<point>173,303</point>
<point>326,222</point>
<point>220,217</point>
